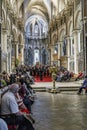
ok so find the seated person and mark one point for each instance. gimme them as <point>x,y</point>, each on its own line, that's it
<point>80,75</point>
<point>23,93</point>
<point>84,85</point>
<point>3,125</point>
<point>9,106</point>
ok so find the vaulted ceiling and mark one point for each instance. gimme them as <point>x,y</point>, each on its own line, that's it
<point>42,8</point>
<point>38,7</point>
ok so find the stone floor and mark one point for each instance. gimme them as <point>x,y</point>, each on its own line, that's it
<point>60,111</point>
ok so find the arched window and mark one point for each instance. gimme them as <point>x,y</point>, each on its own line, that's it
<point>36,29</point>
<point>64,47</point>
<point>55,49</point>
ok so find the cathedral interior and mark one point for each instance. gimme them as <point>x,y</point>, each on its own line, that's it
<point>43,31</point>
<point>50,34</point>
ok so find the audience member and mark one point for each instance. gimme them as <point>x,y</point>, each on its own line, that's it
<point>3,125</point>
<point>9,106</point>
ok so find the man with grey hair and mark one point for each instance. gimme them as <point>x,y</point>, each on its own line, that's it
<point>9,106</point>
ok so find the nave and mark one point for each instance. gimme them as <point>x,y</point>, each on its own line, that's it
<point>45,33</point>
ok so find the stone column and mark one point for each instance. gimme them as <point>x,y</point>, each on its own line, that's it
<point>71,46</point>
<point>52,52</point>
<point>68,51</point>
<point>84,27</point>
<point>4,50</point>
<point>16,49</point>
<point>59,52</point>
<point>0,35</point>
<point>10,69</point>
<point>75,33</point>
<point>15,45</point>
<point>22,53</point>
<point>9,49</point>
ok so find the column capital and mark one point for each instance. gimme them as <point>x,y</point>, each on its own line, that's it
<point>60,42</point>
<point>75,30</point>
<point>4,30</point>
<point>14,42</point>
<point>67,36</point>
<point>21,45</point>
<point>84,20</point>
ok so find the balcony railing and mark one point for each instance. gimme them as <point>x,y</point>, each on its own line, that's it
<point>35,36</point>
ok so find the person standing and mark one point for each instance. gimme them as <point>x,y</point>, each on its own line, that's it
<point>41,73</point>
<point>84,85</point>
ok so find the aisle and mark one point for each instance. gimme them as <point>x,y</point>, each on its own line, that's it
<point>60,112</point>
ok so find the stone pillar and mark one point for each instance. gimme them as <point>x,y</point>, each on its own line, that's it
<point>52,52</point>
<point>71,42</point>
<point>75,33</point>
<point>84,27</point>
<point>4,50</point>
<point>10,69</point>
<point>22,53</point>
<point>68,51</point>
<point>16,50</point>
<point>0,35</point>
<point>59,52</point>
<point>9,49</point>
<point>4,40</point>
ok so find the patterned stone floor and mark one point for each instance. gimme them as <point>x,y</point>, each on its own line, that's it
<point>60,111</point>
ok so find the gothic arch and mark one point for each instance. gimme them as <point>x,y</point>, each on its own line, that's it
<point>38,7</point>
<point>14,33</point>
<point>37,26</point>
<point>21,10</point>
<point>62,40</point>
<point>54,38</point>
<point>78,20</point>
<point>61,5</point>
<point>62,34</point>
<point>8,26</point>
<point>3,19</point>
<point>70,27</point>
<point>11,3</point>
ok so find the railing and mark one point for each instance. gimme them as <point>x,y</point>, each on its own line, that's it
<point>43,36</point>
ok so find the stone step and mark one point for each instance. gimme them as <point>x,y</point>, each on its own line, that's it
<point>68,88</point>
<point>60,89</point>
<point>39,89</point>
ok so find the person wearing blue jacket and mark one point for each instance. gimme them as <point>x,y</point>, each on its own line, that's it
<point>84,85</point>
